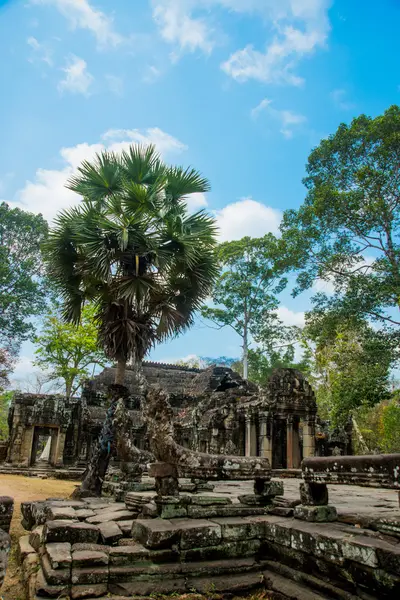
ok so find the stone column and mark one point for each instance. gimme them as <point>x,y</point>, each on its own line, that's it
<point>308,439</point>
<point>60,449</point>
<point>247,436</point>
<point>253,438</point>
<point>265,438</point>
<point>26,446</point>
<point>289,442</point>
<point>296,446</point>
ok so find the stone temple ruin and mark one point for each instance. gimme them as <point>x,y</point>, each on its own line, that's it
<point>208,517</point>
<point>214,411</point>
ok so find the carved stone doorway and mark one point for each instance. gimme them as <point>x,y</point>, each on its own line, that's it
<point>41,453</point>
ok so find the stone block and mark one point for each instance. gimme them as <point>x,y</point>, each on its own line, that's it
<point>219,567</point>
<point>144,570</point>
<point>255,500</point>
<point>241,549</point>
<point>54,576</point>
<point>93,590</point>
<point>148,586</point>
<point>281,511</point>
<point>149,511</point>
<point>91,547</point>
<point>126,526</point>
<point>60,512</point>
<point>86,558</point>
<point>320,514</point>
<point>89,575</point>
<point>43,588</point>
<point>104,517</point>
<point>231,510</point>
<point>84,513</point>
<point>155,533</point>
<point>171,511</point>
<point>389,559</point>
<point>197,533</point>
<point>24,548</point>
<point>361,549</point>
<point>70,531</point>
<point>129,555</point>
<point>313,494</point>
<point>210,500</point>
<point>240,528</point>
<point>267,488</point>
<point>59,555</point>
<point>276,530</point>
<point>234,585</point>
<point>36,537</point>
<point>110,533</point>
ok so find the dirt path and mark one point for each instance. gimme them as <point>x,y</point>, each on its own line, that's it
<point>23,489</point>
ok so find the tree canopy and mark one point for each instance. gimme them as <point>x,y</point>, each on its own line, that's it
<point>132,249</point>
<point>67,351</point>
<point>22,287</point>
<point>245,295</point>
<point>347,231</point>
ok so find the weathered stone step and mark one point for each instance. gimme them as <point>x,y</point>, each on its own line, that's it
<point>291,589</point>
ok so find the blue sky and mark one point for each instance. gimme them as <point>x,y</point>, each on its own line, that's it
<point>240,89</point>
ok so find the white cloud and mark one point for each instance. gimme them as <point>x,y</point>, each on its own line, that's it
<point>47,192</point>
<point>339,99</point>
<point>40,51</point>
<point>151,74</point>
<point>299,27</point>
<point>115,85</point>
<point>77,78</point>
<point>288,119</point>
<point>290,317</point>
<point>178,27</point>
<point>82,15</point>
<point>247,217</point>
<point>196,202</point>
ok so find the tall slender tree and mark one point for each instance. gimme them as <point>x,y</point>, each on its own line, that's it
<point>133,250</point>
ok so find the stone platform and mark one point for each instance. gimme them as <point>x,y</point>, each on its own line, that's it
<point>106,549</point>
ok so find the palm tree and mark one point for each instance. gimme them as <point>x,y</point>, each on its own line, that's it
<point>133,250</point>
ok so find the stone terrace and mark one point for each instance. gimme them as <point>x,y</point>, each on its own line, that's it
<point>100,548</point>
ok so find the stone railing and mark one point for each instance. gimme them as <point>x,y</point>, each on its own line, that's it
<point>382,471</point>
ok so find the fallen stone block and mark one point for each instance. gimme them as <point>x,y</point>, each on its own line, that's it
<point>110,533</point>
<point>268,489</point>
<point>219,567</point>
<point>320,514</point>
<point>210,500</point>
<point>149,511</point>
<point>314,494</point>
<point>59,555</point>
<point>389,559</point>
<point>232,510</point>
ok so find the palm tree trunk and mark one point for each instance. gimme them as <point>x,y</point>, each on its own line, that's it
<point>120,373</point>
<point>103,450</point>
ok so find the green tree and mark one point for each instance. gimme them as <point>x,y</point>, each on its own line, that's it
<point>262,363</point>
<point>352,368</point>
<point>134,251</point>
<point>245,294</point>
<point>347,230</point>
<point>22,284</point>
<point>5,400</point>
<point>67,351</point>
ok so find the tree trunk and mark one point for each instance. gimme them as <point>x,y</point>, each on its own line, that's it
<point>245,352</point>
<point>103,450</point>
<point>120,374</point>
